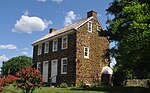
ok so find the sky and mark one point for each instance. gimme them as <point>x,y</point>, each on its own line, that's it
<point>24,21</point>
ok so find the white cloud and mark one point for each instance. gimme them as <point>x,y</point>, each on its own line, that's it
<point>3,58</point>
<point>42,0</point>
<point>24,53</point>
<point>27,24</point>
<point>57,1</point>
<point>24,49</point>
<point>70,16</point>
<point>26,12</point>
<point>99,15</point>
<point>9,46</point>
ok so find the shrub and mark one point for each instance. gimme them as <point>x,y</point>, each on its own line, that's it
<point>1,84</point>
<point>5,81</point>
<point>148,81</point>
<point>28,79</point>
<point>84,85</point>
<point>63,85</point>
<point>97,84</point>
<point>9,79</point>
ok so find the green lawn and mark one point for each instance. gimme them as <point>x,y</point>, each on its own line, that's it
<point>11,89</point>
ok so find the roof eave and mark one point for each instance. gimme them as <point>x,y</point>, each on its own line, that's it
<point>84,22</point>
<point>53,37</point>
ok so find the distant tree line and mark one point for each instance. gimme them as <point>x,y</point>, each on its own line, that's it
<point>13,65</point>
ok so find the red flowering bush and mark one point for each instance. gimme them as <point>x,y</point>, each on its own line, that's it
<point>1,81</point>
<point>5,81</point>
<point>1,84</point>
<point>28,79</point>
<point>9,79</point>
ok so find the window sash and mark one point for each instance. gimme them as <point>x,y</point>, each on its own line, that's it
<point>98,28</point>
<point>39,49</point>
<point>64,42</point>
<point>64,66</point>
<point>46,47</point>
<point>55,45</point>
<point>39,66</point>
<point>89,26</point>
<point>86,52</point>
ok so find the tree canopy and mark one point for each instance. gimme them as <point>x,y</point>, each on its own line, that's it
<point>13,65</point>
<point>130,28</point>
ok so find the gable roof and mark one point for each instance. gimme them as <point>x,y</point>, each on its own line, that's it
<point>75,26</point>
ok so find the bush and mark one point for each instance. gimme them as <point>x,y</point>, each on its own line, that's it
<point>84,86</point>
<point>9,79</point>
<point>28,79</point>
<point>63,85</point>
<point>1,84</point>
<point>97,84</point>
<point>5,81</point>
<point>148,81</point>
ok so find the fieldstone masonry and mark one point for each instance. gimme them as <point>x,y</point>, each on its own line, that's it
<point>79,69</point>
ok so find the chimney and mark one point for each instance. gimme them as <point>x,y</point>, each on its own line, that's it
<point>52,30</point>
<point>92,13</point>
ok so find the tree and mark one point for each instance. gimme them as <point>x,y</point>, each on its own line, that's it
<point>14,64</point>
<point>130,27</point>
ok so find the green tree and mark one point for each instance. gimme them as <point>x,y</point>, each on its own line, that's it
<point>130,28</point>
<point>13,65</point>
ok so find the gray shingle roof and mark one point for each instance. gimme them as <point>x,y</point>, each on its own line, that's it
<point>75,25</point>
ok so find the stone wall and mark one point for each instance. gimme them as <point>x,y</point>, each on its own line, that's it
<point>69,53</point>
<point>137,82</point>
<point>79,68</point>
<point>89,70</point>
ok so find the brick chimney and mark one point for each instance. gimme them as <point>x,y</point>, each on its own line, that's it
<point>52,30</point>
<point>92,13</point>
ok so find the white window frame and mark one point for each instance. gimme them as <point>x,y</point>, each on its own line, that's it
<point>98,27</point>
<point>37,65</point>
<point>47,62</point>
<point>46,48</point>
<point>63,42</point>
<point>53,48</point>
<point>86,56</point>
<point>90,26</point>
<point>62,65</point>
<point>39,49</point>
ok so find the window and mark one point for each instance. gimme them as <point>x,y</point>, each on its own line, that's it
<point>46,49</point>
<point>39,66</point>
<point>64,42</point>
<point>55,44</point>
<point>89,26</point>
<point>98,28</point>
<point>64,66</point>
<point>86,52</point>
<point>39,49</point>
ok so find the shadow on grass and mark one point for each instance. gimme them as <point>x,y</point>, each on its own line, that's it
<point>116,89</point>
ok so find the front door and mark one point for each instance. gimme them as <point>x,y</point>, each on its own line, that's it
<point>45,71</point>
<point>53,70</point>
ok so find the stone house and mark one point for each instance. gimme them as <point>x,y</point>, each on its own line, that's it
<point>74,54</point>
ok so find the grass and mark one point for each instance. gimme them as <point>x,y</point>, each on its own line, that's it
<point>11,89</point>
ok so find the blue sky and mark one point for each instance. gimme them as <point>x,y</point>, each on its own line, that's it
<point>24,21</point>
